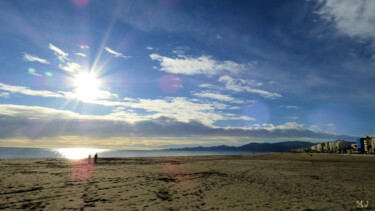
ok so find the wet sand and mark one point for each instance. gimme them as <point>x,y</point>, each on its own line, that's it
<point>277,181</point>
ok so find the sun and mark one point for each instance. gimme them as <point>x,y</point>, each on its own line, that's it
<point>87,86</point>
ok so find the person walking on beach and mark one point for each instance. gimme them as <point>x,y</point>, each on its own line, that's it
<point>95,158</point>
<point>89,159</point>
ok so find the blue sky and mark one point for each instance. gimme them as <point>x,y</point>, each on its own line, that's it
<point>174,73</point>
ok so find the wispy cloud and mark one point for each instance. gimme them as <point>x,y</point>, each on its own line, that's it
<point>4,94</point>
<point>31,58</point>
<point>290,107</point>
<point>205,85</point>
<point>241,85</point>
<point>102,95</point>
<point>116,54</point>
<point>27,91</point>
<point>36,74</point>
<point>70,67</point>
<point>218,96</point>
<point>149,48</point>
<point>187,65</point>
<point>81,54</point>
<point>63,57</point>
<point>292,117</point>
<point>84,46</point>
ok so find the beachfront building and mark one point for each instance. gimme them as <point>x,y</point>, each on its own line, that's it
<point>313,148</point>
<point>339,146</point>
<point>367,145</point>
<point>320,147</point>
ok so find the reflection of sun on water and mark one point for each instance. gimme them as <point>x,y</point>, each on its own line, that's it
<point>78,153</point>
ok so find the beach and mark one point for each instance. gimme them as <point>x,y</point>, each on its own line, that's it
<point>275,181</point>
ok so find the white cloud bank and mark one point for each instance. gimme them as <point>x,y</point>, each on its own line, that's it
<point>33,122</point>
<point>31,58</point>
<point>193,66</point>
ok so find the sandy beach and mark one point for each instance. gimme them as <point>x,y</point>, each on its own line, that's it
<point>277,181</point>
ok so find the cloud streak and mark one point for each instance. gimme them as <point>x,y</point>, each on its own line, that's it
<point>61,55</point>
<point>217,96</point>
<point>116,54</point>
<point>241,85</point>
<point>31,58</point>
<point>187,65</point>
<point>27,91</point>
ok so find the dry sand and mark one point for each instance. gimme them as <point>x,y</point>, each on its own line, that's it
<point>277,181</point>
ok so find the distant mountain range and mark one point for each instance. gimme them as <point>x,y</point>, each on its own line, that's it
<point>253,147</point>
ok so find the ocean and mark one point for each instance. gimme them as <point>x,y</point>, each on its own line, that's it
<point>77,153</point>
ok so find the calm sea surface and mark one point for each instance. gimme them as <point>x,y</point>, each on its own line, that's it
<point>16,153</point>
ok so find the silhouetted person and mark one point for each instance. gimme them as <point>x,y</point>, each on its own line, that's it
<point>89,159</point>
<point>96,158</point>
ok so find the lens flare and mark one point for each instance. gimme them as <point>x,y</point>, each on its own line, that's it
<point>80,3</point>
<point>170,83</point>
<point>49,74</point>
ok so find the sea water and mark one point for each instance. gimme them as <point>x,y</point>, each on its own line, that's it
<point>24,153</point>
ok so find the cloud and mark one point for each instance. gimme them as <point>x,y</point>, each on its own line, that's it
<point>63,57</point>
<point>288,125</point>
<point>218,96</point>
<point>116,54</point>
<point>352,17</point>
<point>292,117</point>
<point>102,94</point>
<point>36,74</point>
<point>26,91</point>
<point>84,46</point>
<point>30,58</point>
<point>241,85</point>
<point>193,66</point>
<point>206,85</point>
<point>246,118</point>
<point>149,48</point>
<point>180,108</point>
<point>32,122</point>
<point>81,54</point>
<point>70,67</point>
<point>4,94</point>
<point>290,107</point>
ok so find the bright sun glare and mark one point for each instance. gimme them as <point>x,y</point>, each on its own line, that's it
<point>87,86</point>
<point>78,153</point>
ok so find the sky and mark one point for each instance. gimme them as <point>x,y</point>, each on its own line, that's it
<point>174,73</point>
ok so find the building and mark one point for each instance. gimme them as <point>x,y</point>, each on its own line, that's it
<point>367,145</point>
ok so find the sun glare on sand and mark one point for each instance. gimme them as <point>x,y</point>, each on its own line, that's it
<point>87,86</point>
<point>78,153</point>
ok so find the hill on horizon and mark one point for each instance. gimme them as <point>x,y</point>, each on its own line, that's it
<point>254,147</point>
